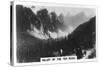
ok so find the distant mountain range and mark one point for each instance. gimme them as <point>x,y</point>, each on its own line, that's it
<point>75,20</point>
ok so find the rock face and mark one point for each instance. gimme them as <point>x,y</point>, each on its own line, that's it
<point>25,17</point>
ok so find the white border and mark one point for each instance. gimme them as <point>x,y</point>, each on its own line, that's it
<point>47,4</point>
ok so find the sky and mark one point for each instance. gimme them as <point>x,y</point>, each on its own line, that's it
<point>67,10</point>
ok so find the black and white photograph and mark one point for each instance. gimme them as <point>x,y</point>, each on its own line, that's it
<point>50,31</point>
